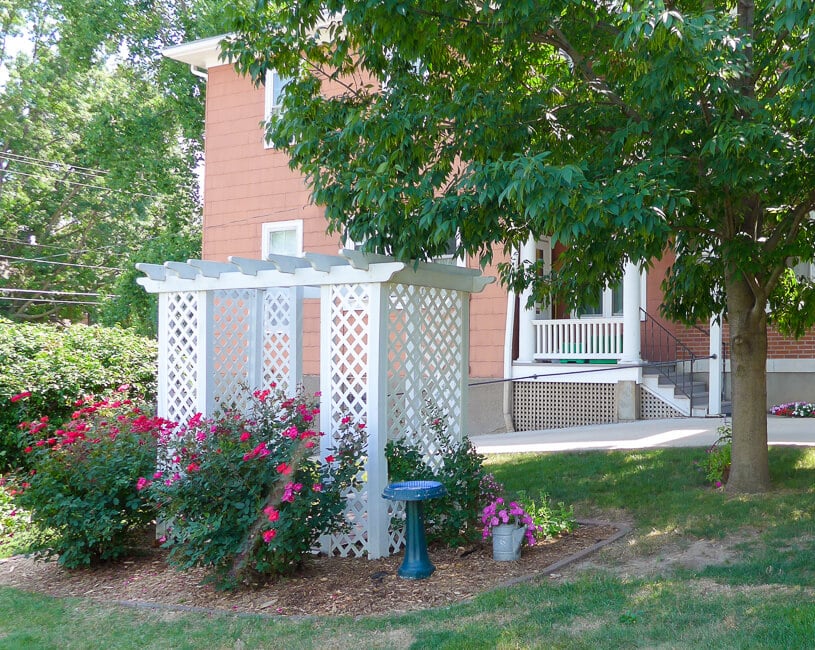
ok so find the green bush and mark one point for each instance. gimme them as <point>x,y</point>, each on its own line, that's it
<point>716,464</point>
<point>55,364</point>
<point>81,491</point>
<point>549,520</point>
<point>453,520</point>
<point>243,495</point>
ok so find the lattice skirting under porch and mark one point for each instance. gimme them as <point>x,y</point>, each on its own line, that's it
<point>653,408</point>
<point>541,405</point>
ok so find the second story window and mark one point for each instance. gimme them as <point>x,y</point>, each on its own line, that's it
<point>282,238</point>
<point>275,87</point>
<point>449,255</point>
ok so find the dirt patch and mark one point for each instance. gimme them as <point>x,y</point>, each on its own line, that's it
<point>335,586</point>
<point>647,557</point>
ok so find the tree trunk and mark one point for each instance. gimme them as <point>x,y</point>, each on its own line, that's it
<point>750,468</point>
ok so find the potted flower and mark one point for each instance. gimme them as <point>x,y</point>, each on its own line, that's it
<point>508,524</point>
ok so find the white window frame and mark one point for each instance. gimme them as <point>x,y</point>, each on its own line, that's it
<point>543,251</point>
<point>606,301</point>
<point>270,107</point>
<point>280,226</point>
<point>458,261</point>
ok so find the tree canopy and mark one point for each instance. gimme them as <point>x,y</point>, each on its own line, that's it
<point>99,141</point>
<point>622,130</point>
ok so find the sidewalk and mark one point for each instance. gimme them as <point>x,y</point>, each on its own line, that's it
<point>642,434</point>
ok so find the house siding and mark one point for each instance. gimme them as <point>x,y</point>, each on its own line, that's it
<point>247,184</point>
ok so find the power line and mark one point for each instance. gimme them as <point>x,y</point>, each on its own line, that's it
<point>78,251</point>
<point>248,219</point>
<point>50,164</point>
<point>42,161</point>
<point>40,261</point>
<point>61,293</point>
<point>51,302</point>
<point>93,187</point>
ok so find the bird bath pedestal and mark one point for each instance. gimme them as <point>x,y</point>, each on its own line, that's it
<point>416,564</point>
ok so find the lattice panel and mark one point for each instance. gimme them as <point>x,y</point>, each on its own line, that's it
<point>233,311</point>
<point>424,346</point>
<point>353,542</point>
<point>653,408</point>
<point>277,336</point>
<point>396,531</point>
<point>347,365</point>
<point>549,405</point>
<point>183,315</point>
<point>349,351</point>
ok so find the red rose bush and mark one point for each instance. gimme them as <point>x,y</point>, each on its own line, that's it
<point>245,494</point>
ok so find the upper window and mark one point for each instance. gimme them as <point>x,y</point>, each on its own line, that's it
<point>609,302</point>
<point>282,238</point>
<point>275,87</point>
<point>448,257</point>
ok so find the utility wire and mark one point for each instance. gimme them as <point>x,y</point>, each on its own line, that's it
<point>40,261</point>
<point>51,302</point>
<point>98,172</point>
<point>61,293</point>
<point>54,166</point>
<point>247,219</point>
<point>93,187</point>
<point>77,251</point>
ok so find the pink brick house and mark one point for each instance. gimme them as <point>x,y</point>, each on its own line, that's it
<point>587,368</point>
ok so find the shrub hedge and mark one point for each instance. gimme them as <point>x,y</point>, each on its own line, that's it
<point>56,364</point>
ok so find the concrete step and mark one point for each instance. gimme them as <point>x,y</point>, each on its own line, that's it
<point>673,395</point>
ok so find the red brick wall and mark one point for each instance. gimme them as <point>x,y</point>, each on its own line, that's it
<point>778,347</point>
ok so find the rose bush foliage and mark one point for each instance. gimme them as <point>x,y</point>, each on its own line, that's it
<point>245,495</point>
<point>453,520</point>
<point>81,489</point>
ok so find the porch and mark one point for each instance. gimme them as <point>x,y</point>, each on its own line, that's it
<point>613,365</point>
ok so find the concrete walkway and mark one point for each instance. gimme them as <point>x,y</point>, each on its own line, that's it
<point>642,434</point>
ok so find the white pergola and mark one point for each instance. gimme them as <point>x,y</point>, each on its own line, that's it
<point>394,336</point>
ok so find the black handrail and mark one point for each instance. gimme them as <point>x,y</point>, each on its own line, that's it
<point>661,346</point>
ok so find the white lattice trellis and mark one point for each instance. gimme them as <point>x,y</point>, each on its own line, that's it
<point>179,355</point>
<point>234,311</point>
<point>394,352</point>
<point>282,324</point>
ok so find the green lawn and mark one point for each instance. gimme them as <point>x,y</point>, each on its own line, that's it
<point>760,594</point>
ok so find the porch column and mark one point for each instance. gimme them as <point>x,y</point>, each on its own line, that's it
<point>526,332</point>
<point>715,369</point>
<point>631,314</point>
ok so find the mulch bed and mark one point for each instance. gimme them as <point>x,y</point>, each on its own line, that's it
<point>326,586</point>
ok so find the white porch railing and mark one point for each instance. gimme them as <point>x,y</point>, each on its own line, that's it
<point>578,338</point>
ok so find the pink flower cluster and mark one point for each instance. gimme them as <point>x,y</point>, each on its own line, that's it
<point>499,512</point>
<point>258,452</point>
<point>290,490</point>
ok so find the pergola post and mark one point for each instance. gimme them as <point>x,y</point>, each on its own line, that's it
<point>205,354</point>
<point>377,420</point>
<point>162,399</point>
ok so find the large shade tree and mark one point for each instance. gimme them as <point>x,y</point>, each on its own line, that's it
<point>99,141</point>
<point>623,130</point>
